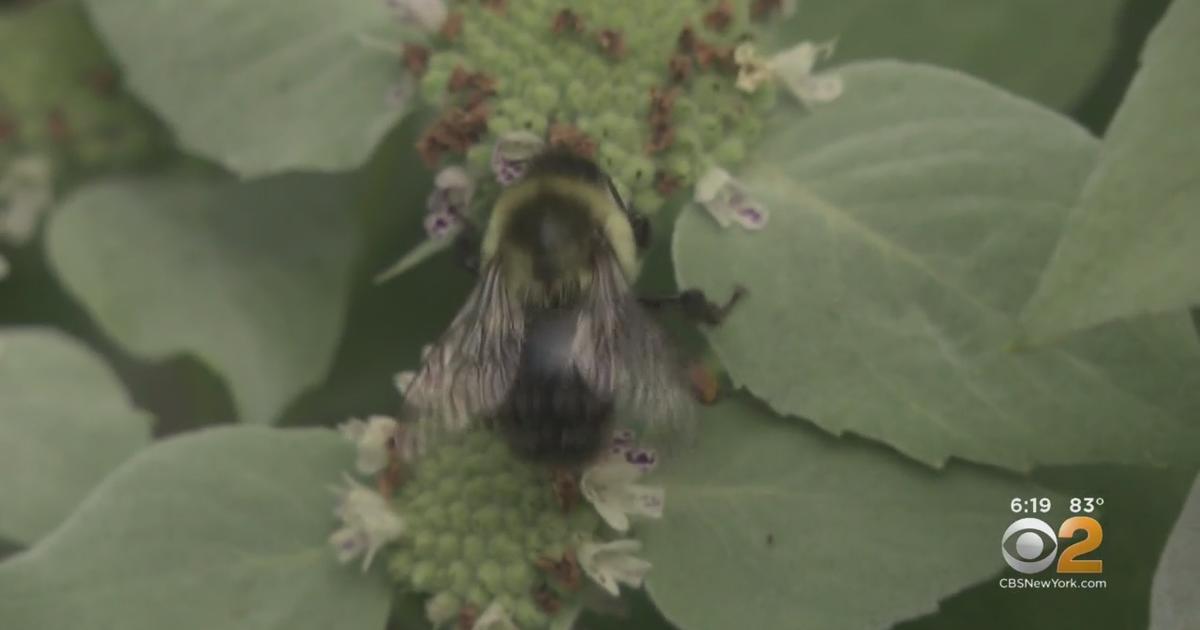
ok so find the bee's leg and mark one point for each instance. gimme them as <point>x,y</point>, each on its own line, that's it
<point>696,306</point>
<point>466,247</point>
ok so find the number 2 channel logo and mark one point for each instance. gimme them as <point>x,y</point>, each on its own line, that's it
<point>1029,545</point>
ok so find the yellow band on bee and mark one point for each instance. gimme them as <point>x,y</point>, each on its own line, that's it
<point>605,213</point>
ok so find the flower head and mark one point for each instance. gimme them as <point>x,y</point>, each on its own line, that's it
<point>610,487</point>
<point>368,523</point>
<point>611,563</point>
<point>428,15</point>
<point>728,201</point>
<point>375,439</point>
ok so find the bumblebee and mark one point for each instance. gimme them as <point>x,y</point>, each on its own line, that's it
<point>552,344</point>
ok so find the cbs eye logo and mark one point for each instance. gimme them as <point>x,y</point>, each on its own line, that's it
<point>1029,545</point>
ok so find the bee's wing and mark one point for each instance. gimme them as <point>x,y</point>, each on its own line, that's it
<point>470,370</point>
<point>621,351</point>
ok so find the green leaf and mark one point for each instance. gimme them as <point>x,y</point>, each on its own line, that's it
<point>908,222</point>
<point>65,421</point>
<point>223,528</point>
<point>1049,51</point>
<point>772,525</point>
<point>252,278</point>
<point>265,86</point>
<point>1133,244</point>
<point>1173,598</point>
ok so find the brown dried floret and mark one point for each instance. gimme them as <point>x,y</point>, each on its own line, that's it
<point>662,132</point>
<point>720,17</point>
<point>467,616</point>
<point>662,102</point>
<point>60,129</point>
<point>662,137</point>
<point>8,128</point>
<point>102,81</point>
<point>416,59</point>
<point>762,9</point>
<point>570,138</point>
<point>546,600</point>
<point>612,43</point>
<point>679,68</point>
<point>567,21</point>
<point>667,184</point>
<point>453,132</point>
<point>687,40</point>
<point>718,57</point>
<point>474,87</point>
<point>452,27</point>
<point>495,6</point>
<point>564,570</point>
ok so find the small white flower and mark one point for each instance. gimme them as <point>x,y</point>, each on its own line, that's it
<point>511,155</point>
<point>728,201</point>
<point>494,617</point>
<point>610,563</point>
<point>26,190</point>
<point>375,440</point>
<point>609,486</point>
<point>447,204</point>
<point>429,15</point>
<point>794,67</point>
<point>368,523</point>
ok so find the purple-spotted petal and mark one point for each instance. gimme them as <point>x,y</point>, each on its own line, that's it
<point>511,155</point>
<point>645,459</point>
<point>452,191</point>
<point>443,224</point>
<point>751,216</point>
<point>728,201</point>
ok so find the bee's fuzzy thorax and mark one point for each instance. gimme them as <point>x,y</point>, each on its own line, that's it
<point>572,205</point>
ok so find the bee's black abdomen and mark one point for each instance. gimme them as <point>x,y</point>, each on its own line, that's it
<point>551,415</point>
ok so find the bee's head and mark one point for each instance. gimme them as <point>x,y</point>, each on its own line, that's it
<point>551,227</point>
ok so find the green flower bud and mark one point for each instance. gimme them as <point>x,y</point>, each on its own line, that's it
<point>474,549</point>
<point>460,577</point>
<point>731,151</point>
<point>518,576</point>
<point>423,575</point>
<point>491,576</point>
<point>447,547</point>
<point>527,615</point>
<point>504,547</point>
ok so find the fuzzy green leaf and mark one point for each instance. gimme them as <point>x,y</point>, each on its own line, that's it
<point>1177,582</point>
<point>773,525</point>
<point>225,528</point>
<point>909,220</point>
<point>261,87</point>
<point>1048,51</point>
<point>252,278</point>
<point>65,421</point>
<point>1133,244</point>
